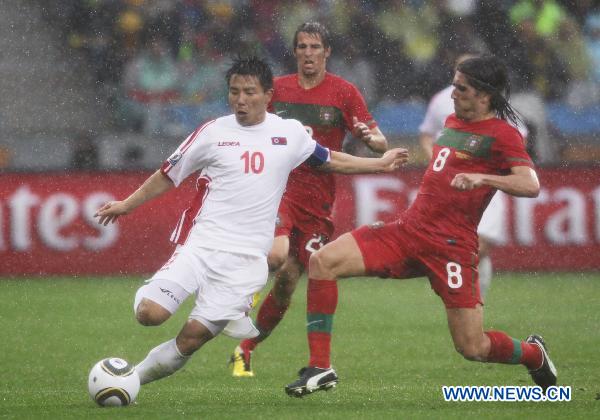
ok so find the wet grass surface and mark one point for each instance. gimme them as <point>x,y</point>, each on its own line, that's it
<point>391,349</point>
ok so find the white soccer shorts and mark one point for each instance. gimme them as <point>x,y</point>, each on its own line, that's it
<point>224,284</point>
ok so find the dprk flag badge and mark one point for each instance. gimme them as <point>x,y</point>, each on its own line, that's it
<point>279,141</point>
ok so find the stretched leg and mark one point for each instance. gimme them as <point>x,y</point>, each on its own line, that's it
<point>340,258</point>
<point>470,340</point>
<point>154,303</point>
<point>297,248</point>
<point>274,306</point>
<point>271,312</point>
<point>277,302</point>
<point>466,329</point>
<point>168,357</point>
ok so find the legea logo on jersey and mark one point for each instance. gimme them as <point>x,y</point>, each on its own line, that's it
<point>174,158</point>
<point>279,141</point>
<point>228,143</point>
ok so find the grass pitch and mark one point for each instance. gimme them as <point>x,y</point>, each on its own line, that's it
<point>391,349</point>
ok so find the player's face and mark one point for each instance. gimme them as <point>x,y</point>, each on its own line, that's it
<point>311,55</point>
<point>248,99</point>
<point>470,104</point>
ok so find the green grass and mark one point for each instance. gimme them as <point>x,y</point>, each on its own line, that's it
<point>391,349</point>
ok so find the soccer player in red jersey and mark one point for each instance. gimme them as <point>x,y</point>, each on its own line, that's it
<point>477,153</point>
<point>329,107</point>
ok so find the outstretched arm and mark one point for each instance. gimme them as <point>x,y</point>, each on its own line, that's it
<point>347,164</point>
<point>522,182</point>
<point>155,185</point>
<point>372,137</point>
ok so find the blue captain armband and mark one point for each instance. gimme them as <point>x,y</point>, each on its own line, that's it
<point>320,156</point>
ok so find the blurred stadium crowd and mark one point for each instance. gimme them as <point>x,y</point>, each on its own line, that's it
<point>162,61</point>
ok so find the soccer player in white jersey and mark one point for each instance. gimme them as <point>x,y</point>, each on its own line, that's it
<point>494,218</point>
<point>243,161</point>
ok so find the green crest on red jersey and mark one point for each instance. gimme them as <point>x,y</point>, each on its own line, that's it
<point>474,144</point>
<point>310,114</point>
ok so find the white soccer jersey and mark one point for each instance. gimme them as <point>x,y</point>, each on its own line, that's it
<point>244,171</point>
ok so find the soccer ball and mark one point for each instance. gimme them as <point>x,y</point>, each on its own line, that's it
<point>113,382</point>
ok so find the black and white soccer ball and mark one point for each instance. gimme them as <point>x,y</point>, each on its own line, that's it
<point>113,382</point>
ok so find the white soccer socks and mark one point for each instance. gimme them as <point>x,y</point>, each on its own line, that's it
<point>241,328</point>
<point>163,360</point>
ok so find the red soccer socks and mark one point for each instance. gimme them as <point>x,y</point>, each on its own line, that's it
<point>505,349</point>
<point>322,297</point>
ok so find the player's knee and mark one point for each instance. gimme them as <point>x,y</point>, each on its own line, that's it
<point>320,265</point>
<point>316,264</point>
<point>150,314</point>
<point>276,259</point>
<point>188,345</point>
<point>193,336</point>
<point>470,351</point>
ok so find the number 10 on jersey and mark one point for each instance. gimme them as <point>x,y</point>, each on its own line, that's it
<point>253,162</point>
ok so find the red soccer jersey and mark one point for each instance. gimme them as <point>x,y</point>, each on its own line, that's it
<point>451,216</point>
<point>326,110</point>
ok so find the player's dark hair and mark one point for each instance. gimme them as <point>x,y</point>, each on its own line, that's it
<point>251,66</point>
<point>313,28</point>
<point>488,74</point>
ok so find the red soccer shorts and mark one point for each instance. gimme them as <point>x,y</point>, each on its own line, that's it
<point>307,232</point>
<point>398,251</point>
